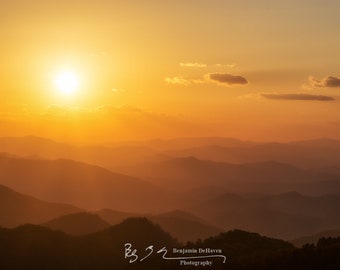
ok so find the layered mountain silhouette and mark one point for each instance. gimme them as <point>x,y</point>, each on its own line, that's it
<point>17,209</point>
<point>115,217</point>
<point>313,239</point>
<point>270,176</point>
<point>80,184</point>
<point>286,216</point>
<point>304,154</point>
<point>281,190</point>
<point>309,154</point>
<point>78,223</point>
<point>192,142</point>
<point>109,157</point>
<point>183,226</point>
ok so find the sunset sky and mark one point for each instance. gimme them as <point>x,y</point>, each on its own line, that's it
<point>100,70</point>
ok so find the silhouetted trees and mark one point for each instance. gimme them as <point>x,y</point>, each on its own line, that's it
<point>35,247</point>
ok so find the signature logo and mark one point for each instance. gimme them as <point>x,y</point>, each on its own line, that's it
<point>132,256</point>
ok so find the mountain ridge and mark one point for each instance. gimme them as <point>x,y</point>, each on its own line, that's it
<point>17,208</point>
<point>78,183</point>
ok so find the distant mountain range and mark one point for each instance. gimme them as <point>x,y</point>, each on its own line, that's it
<point>190,172</point>
<point>313,239</point>
<point>181,225</point>
<point>184,226</point>
<point>109,157</point>
<point>307,154</point>
<point>310,167</point>
<point>285,216</point>
<point>78,223</point>
<point>303,154</point>
<point>80,184</point>
<point>18,209</point>
<point>91,241</point>
<point>283,190</point>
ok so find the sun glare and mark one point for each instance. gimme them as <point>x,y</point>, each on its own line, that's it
<point>66,82</point>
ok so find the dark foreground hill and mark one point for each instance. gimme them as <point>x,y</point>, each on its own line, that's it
<point>35,247</point>
<point>246,250</point>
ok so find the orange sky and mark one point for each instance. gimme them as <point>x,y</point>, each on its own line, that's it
<point>258,70</point>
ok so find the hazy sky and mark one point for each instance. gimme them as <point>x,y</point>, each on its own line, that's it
<point>262,70</point>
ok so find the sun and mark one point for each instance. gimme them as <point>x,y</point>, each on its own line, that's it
<point>66,82</point>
